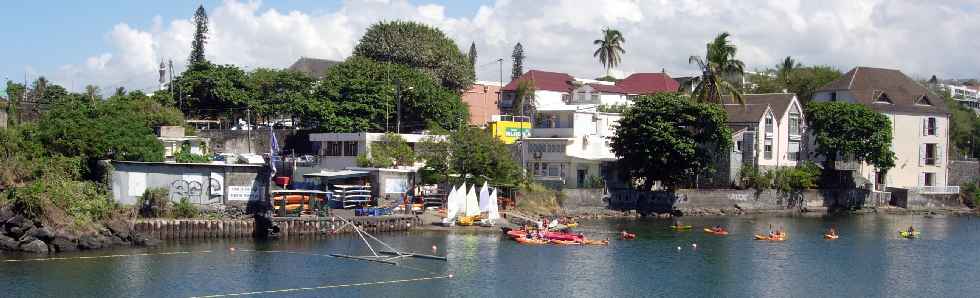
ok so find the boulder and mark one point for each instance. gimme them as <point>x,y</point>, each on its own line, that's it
<point>120,228</point>
<point>92,241</point>
<point>115,240</point>
<point>64,242</point>
<point>141,240</point>
<point>36,246</point>
<point>43,233</point>
<point>5,214</point>
<point>18,221</point>
<point>27,235</point>
<point>8,243</point>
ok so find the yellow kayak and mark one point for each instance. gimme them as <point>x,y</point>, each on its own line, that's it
<point>906,234</point>
<point>767,238</point>
<point>681,227</point>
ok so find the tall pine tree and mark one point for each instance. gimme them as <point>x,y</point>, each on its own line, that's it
<point>200,36</point>
<point>472,56</point>
<point>518,57</point>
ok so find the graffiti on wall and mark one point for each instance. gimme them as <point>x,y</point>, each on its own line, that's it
<point>194,191</point>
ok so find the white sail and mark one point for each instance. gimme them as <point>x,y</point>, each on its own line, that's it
<point>484,198</point>
<point>461,199</point>
<point>493,213</point>
<point>472,205</point>
<point>452,205</point>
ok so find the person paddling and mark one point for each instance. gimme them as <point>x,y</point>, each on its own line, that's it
<point>832,232</point>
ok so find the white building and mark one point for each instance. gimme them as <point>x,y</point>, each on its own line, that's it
<point>968,96</point>
<point>339,151</point>
<point>569,139</point>
<point>920,127</point>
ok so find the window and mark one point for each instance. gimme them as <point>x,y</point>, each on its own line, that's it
<point>880,181</point>
<point>929,126</point>
<point>794,123</point>
<point>928,179</point>
<point>881,97</point>
<point>738,146</point>
<point>579,96</point>
<point>595,97</point>
<point>350,148</point>
<point>833,96</point>
<point>768,149</point>
<point>332,148</point>
<point>769,126</point>
<point>793,151</point>
<point>923,100</point>
<point>566,98</point>
<point>929,153</point>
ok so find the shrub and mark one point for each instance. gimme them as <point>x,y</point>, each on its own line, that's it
<point>184,209</point>
<point>970,192</point>
<point>594,181</point>
<point>783,179</point>
<point>155,202</point>
<point>537,198</point>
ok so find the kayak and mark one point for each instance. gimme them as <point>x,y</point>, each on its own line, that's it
<point>530,241</point>
<point>563,242</point>
<point>767,238</point>
<point>831,237</point>
<point>682,227</point>
<point>572,225</point>
<point>713,231</point>
<point>628,236</point>
<point>595,242</point>
<point>516,233</point>
<point>562,236</point>
<point>906,234</point>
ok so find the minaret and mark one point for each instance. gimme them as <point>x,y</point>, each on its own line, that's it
<point>163,76</point>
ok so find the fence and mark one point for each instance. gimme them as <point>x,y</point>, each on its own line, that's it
<point>174,229</point>
<point>937,189</point>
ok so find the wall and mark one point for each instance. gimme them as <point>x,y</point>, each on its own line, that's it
<point>575,201</point>
<point>200,183</point>
<point>237,141</point>
<point>482,102</point>
<point>748,199</point>
<point>907,137</point>
<point>963,171</point>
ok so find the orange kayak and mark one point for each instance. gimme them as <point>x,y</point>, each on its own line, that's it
<point>716,232</point>
<point>563,242</point>
<point>595,242</point>
<point>831,237</point>
<point>523,240</point>
<point>767,238</point>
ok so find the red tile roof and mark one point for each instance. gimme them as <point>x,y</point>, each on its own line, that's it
<point>544,80</point>
<point>648,83</point>
<point>607,88</point>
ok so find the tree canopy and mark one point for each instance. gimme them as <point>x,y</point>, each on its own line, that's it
<point>200,36</point>
<point>359,95</point>
<point>517,57</point>
<point>421,47</point>
<point>720,71</point>
<point>469,152</point>
<point>843,129</point>
<point>391,151</point>
<point>667,137</point>
<point>210,90</point>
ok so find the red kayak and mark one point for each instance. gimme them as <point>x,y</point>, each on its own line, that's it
<point>628,236</point>
<point>563,236</point>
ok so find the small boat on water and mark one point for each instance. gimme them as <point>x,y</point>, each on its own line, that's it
<point>831,237</point>
<point>532,241</point>
<point>681,227</point>
<point>781,237</point>
<point>908,235</point>
<point>717,232</point>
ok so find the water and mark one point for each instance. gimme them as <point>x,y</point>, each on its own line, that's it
<point>868,261</point>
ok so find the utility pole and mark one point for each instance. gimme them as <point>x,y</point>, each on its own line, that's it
<point>171,66</point>
<point>398,106</point>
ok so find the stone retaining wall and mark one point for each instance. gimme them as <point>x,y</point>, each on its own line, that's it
<point>735,199</point>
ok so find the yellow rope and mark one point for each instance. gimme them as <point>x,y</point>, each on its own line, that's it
<point>328,287</point>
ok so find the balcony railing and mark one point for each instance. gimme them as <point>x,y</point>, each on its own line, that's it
<point>937,189</point>
<point>564,132</point>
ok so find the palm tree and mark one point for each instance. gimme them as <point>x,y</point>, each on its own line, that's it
<point>719,69</point>
<point>788,65</point>
<point>524,94</point>
<point>92,92</point>
<point>610,49</point>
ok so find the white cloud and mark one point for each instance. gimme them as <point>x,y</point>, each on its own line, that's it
<point>919,37</point>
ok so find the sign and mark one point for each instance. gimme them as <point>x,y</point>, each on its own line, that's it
<point>396,185</point>
<point>242,193</point>
<point>515,132</point>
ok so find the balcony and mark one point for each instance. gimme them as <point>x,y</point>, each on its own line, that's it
<point>937,189</point>
<point>563,132</point>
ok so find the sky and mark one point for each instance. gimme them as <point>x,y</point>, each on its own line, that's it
<point>112,43</point>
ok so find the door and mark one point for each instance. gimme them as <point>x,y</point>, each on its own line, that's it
<point>580,177</point>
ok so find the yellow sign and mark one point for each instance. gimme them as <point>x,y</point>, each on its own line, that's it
<point>509,129</point>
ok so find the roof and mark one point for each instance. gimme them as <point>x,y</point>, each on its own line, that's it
<point>778,101</point>
<point>342,174</point>
<point>607,88</point>
<point>313,67</point>
<point>865,84</point>
<point>747,113</point>
<point>543,80</point>
<point>648,83</point>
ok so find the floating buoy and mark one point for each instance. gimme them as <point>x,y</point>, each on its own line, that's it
<point>231,248</point>
<point>678,248</point>
<point>694,245</point>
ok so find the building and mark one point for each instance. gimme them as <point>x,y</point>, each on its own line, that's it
<point>199,183</point>
<point>510,129</point>
<point>174,141</point>
<point>968,96</point>
<point>481,100</point>
<point>767,132</point>
<point>339,151</point>
<point>920,127</point>
<point>572,121</point>
<point>313,67</point>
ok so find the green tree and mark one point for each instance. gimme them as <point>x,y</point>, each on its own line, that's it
<point>843,129</point>
<point>211,90</point>
<point>15,93</point>
<point>667,137</point>
<point>963,128</point>
<point>92,92</point>
<point>200,36</point>
<point>472,153</point>
<point>391,151</point>
<point>804,81</point>
<point>278,93</point>
<point>517,57</point>
<point>472,55</point>
<point>524,97</point>
<point>359,96</point>
<point>418,46</point>
<point>610,51</point>
<point>720,71</point>
<point>788,65</point>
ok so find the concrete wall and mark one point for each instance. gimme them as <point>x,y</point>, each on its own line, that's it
<point>200,183</point>
<point>582,200</point>
<point>963,171</point>
<point>749,199</point>
<point>237,141</point>
<point>931,201</point>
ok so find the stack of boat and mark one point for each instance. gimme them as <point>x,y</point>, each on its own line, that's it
<point>551,237</point>
<point>467,206</point>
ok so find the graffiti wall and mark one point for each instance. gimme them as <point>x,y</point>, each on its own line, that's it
<point>203,184</point>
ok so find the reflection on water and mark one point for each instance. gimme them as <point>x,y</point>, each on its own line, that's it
<point>869,260</point>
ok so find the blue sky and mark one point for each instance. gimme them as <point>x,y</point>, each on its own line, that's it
<point>112,43</point>
<point>47,34</point>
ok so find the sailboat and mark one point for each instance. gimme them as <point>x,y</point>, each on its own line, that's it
<point>484,198</point>
<point>471,211</point>
<point>452,206</point>
<point>492,213</point>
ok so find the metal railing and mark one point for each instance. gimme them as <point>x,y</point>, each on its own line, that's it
<point>846,165</point>
<point>937,189</point>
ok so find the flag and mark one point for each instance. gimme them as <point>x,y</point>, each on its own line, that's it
<point>273,150</point>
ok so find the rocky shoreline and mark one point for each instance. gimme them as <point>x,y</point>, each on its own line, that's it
<point>18,233</point>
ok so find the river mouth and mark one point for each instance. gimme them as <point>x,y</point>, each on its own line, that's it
<point>869,259</point>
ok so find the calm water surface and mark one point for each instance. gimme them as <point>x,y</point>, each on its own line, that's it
<point>868,261</point>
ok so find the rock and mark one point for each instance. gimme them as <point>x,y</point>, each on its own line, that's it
<point>26,239</point>
<point>5,214</point>
<point>92,241</point>
<point>140,240</point>
<point>43,233</point>
<point>27,234</point>
<point>116,240</point>
<point>63,242</point>
<point>36,246</point>
<point>120,228</point>
<point>8,243</point>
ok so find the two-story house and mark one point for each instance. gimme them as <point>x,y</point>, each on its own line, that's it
<point>920,127</point>
<point>767,132</point>
<point>572,123</point>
